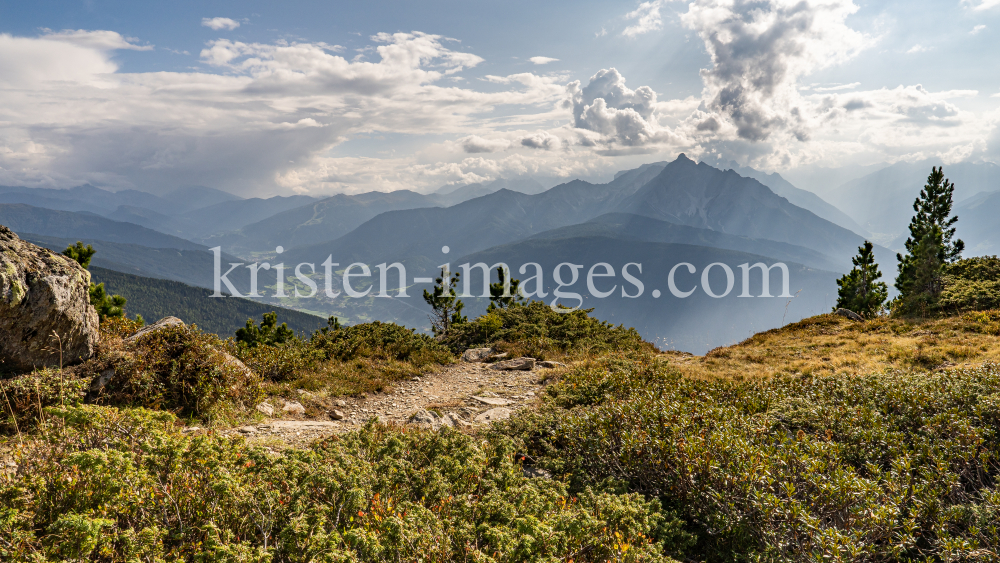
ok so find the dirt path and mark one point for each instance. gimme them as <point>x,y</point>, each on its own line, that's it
<point>463,395</point>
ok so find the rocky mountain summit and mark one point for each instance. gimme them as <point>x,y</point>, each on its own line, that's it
<point>45,313</point>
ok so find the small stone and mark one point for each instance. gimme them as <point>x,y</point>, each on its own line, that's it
<point>535,473</point>
<point>266,409</point>
<point>190,429</point>
<point>519,364</point>
<point>425,419</point>
<point>492,401</point>
<point>336,415</point>
<point>529,394</point>
<point>415,378</point>
<point>550,364</point>
<point>247,430</point>
<point>293,407</point>
<point>493,415</point>
<point>340,403</point>
<point>454,420</point>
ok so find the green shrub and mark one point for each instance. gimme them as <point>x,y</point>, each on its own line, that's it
<point>536,330</point>
<point>179,369</point>
<point>124,485</point>
<point>385,341</point>
<point>885,467</point>
<point>972,284</point>
<point>23,398</point>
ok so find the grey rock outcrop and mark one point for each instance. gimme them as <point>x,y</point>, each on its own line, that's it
<point>848,314</point>
<point>43,294</point>
<point>475,355</point>
<point>519,364</point>
<point>165,322</point>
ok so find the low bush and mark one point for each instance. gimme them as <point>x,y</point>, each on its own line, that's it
<point>178,369</point>
<point>536,330</point>
<point>124,485</point>
<point>384,341</point>
<point>972,284</point>
<point>896,466</point>
<point>24,398</point>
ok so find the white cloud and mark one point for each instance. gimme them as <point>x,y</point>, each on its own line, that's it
<point>983,4</point>
<point>220,23</point>
<point>100,40</point>
<point>615,112</point>
<point>647,18</point>
<point>850,86</point>
<point>542,60</point>
<point>540,140</point>
<point>760,50</point>
<point>475,144</point>
<point>918,48</point>
<point>977,29</point>
<point>71,117</point>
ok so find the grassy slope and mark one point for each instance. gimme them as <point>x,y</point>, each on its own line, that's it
<point>832,345</point>
<point>155,299</point>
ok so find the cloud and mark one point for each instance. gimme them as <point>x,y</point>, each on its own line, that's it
<point>100,40</point>
<point>540,140</point>
<point>647,18</point>
<point>269,121</point>
<point>983,4</point>
<point>475,144</point>
<point>977,29</point>
<point>918,48</point>
<point>850,86</point>
<point>220,23</point>
<point>760,49</point>
<point>608,107</point>
<point>542,60</point>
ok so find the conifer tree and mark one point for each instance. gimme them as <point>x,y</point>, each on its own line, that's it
<point>444,302</point>
<point>859,290</point>
<point>497,298</point>
<point>929,248</point>
<point>269,333</point>
<point>106,305</point>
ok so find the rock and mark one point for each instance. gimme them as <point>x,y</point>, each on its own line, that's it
<point>336,415</point>
<point>247,430</point>
<point>340,403</point>
<point>425,419</point>
<point>492,401</point>
<point>529,394</point>
<point>99,382</point>
<point>43,294</point>
<point>300,425</point>
<point>165,322</point>
<point>848,313</point>
<point>476,355</point>
<point>551,365</point>
<point>190,429</point>
<point>293,407</point>
<point>522,364</point>
<point>499,356</point>
<point>266,409</point>
<point>535,473</point>
<point>493,415</point>
<point>454,420</point>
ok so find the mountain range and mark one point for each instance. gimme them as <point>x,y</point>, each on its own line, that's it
<point>658,214</point>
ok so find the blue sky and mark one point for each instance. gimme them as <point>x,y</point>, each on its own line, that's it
<point>297,97</point>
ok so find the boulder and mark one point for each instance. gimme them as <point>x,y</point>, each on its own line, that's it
<point>265,409</point>
<point>523,364</point>
<point>848,313</point>
<point>476,355</point>
<point>337,415</point>
<point>493,415</point>
<point>293,407</point>
<point>551,365</point>
<point>165,322</point>
<point>43,294</point>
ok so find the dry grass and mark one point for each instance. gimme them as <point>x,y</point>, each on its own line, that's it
<point>832,345</point>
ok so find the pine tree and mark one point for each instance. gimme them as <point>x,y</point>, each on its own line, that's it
<point>497,298</point>
<point>106,305</point>
<point>447,308</point>
<point>859,290</point>
<point>930,247</point>
<point>269,333</point>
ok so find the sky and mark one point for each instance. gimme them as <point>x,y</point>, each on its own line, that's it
<point>268,98</point>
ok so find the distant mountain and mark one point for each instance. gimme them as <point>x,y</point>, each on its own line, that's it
<point>85,226</point>
<point>685,193</point>
<point>81,198</point>
<point>821,180</point>
<point>978,224</point>
<point>882,202</point>
<point>156,298</point>
<point>319,221</point>
<point>624,226</point>
<point>192,267</point>
<point>699,195</point>
<point>802,198</point>
<point>183,200</point>
<point>236,214</point>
